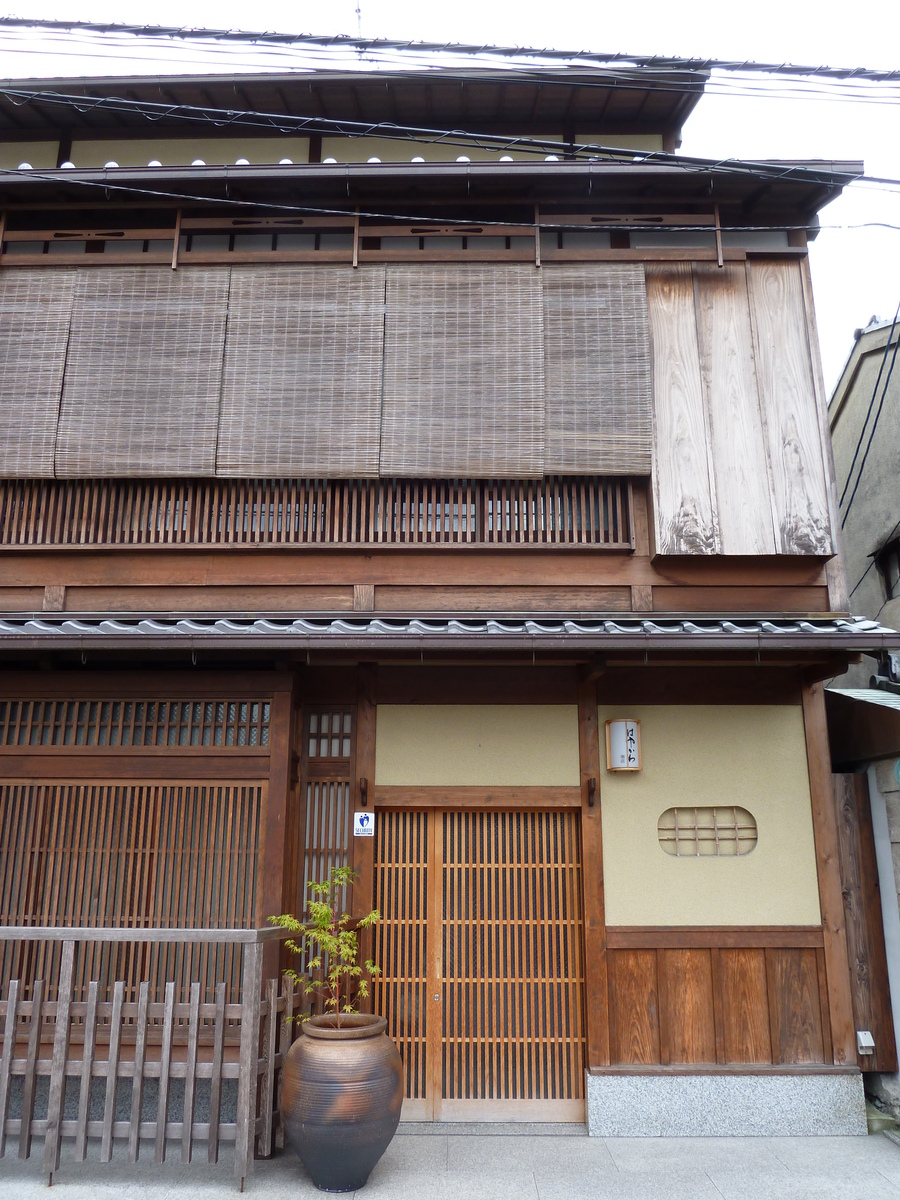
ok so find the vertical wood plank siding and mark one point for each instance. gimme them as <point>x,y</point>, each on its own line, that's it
<point>143,373</point>
<point>302,378</point>
<point>558,511</point>
<point>463,372</point>
<point>175,854</point>
<point>35,310</point>
<point>597,370</point>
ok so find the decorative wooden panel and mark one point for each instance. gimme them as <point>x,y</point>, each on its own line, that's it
<point>301,387</point>
<point>597,369</point>
<point>561,511</point>
<point>143,373</point>
<point>685,505</point>
<point>146,856</point>
<point>702,996</point>
<point>744,511</point>
<point>35,308</point>
<point>463,372</point>
<point>401,937</point>
<point>791,419</point>
<point>218,723</point>
<point>325,786</point>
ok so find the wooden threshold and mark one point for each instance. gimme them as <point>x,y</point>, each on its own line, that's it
<point>727,1069</point>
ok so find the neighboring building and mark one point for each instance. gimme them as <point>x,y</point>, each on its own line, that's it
<point>342,485</point>
<point>864,414</point>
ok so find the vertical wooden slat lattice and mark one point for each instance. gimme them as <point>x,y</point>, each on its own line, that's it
<point>597,368</point>
<point>35,309</point>
<point>463,372</point>
<point>561,510</point>
<point>328,754</point>
<point>302,378</point>
<point>180,855</point>
<point>143,373</point>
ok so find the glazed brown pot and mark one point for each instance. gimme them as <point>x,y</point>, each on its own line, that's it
<point>343,1088</point>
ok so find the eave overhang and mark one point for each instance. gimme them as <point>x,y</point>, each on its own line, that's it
<point>770,191</point>
<point>399,634</point>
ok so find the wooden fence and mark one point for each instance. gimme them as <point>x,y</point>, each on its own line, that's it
<point>104,1036</point>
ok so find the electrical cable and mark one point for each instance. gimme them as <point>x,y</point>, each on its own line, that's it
<point>371,45</point>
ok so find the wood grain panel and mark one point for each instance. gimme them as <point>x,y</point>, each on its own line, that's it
<point>790,416</point>
<point>685,506</point>
<point>728,371</point>
<point>687,1023</point>
<point>741,984</point>
<point>596,969</point>
<point>795,1017</point>
<point>633,1007</point>
<point>740,600</point>
<point>502,599</point>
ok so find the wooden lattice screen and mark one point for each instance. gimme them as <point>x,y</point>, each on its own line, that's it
<point>571,511</point>
<point>481,949</point>
<point>179,854</point>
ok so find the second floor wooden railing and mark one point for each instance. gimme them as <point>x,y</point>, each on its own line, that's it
<point>574,511</point>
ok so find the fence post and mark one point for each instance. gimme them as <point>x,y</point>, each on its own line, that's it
<point>58,1062</point>
<point>245,1134</point>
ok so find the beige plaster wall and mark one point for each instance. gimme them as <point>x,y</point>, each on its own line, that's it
<point>41,155</point>
<point>500,745</point>
<point>749,755</point>
<point>358,150</point>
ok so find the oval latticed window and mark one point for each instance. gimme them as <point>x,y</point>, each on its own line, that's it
<point>716,832</point>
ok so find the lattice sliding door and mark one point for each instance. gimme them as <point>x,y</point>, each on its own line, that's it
<point>481,951</point>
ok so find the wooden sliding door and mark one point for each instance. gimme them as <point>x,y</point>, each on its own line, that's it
<point>481,951</point>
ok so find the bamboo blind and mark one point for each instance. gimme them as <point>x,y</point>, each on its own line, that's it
<point>463,371</point>
<point>35,307</point>
<point>570,511</point>
<point>221,723</point>
<point>302,379</point>
<point>599,416</point>
<point>177,854</point>
<point>143,373</point>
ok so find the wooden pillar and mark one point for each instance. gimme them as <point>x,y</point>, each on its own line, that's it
<point>363,791</point>
<point>821,788</point>
<point>273,820</point>
<point>596,993</point>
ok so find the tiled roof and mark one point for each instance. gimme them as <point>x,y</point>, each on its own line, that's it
<point>363,632</point>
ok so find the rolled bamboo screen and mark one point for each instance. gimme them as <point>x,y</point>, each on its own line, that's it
<point>35,308</point>
<point>463,371</point>
<point>302,381</point>
<point>599,416</point>
<point>143,373</point>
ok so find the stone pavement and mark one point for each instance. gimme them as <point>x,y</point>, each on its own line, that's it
<point>541,1166</point>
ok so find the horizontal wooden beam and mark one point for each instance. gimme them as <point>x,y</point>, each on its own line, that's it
<point>106,770</point>
<point>683,937</point>
<point>476,797</point>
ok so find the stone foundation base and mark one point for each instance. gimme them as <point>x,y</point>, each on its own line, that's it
<point>720,1105</point>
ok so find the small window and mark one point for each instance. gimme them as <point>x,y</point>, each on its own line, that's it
<point>888,562</point>
<point>722,832</point>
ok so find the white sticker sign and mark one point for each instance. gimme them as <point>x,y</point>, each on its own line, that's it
<point>363,824</point>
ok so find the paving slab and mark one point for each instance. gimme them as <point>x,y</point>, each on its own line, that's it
<point>482,1164</point>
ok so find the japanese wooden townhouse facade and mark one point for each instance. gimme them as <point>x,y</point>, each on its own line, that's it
<point>360,484</point>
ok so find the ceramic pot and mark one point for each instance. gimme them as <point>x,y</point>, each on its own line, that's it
<point>343,1088</point>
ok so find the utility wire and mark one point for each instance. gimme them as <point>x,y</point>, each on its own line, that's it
<point>226,118</point>
<point>371,45</point>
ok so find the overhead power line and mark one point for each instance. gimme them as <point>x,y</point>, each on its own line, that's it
<point>373,45</point>
<point>156,111</point>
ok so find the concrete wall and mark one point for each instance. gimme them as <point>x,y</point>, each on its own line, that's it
<point>748,755</point>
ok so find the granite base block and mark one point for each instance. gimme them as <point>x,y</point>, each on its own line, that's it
<point>725,1105</point>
